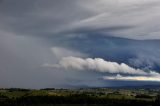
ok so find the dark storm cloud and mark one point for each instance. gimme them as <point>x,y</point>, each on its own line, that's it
<point>136,53</point>
<point>38,17</point>
<point>35,32</point>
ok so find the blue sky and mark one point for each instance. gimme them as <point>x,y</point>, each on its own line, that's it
<point>74,43</point>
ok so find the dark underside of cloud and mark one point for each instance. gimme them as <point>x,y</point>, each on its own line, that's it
<point>139,54</point>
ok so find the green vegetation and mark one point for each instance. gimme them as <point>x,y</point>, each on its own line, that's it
<point>80,97</point>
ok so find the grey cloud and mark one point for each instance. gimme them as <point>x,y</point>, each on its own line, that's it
<point>118,18</point>
<point>38,17</point>
<point>60,52</point>
<point>20,63</point>
<point>30,28</point>
<point>125,14</point>
<point>146,58</point>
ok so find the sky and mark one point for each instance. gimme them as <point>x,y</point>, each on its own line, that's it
<point>79,43</point>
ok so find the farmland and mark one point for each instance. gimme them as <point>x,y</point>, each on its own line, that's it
<point>81,96</point>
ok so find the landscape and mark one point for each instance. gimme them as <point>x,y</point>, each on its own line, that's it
<point>79,52</point>
<point>126,96</point>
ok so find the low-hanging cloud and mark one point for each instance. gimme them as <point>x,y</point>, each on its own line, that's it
<point>103,66</point>
<point>97,64</point>
<point>133,78</point>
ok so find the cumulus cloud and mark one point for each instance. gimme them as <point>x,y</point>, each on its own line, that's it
<point>97,64</point>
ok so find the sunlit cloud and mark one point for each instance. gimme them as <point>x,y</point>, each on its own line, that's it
<point>133,78</point>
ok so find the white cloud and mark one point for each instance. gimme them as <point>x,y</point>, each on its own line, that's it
<point>133,78</point>
<point>96,64</point>
<point>103,66</point>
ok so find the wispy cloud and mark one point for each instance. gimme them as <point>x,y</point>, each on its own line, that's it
<point>125,16</point>
<point>122,18</point>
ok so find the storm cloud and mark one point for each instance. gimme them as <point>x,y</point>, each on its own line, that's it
<point>121,18</point>
<point>103,66</point>
<point>124,34</point>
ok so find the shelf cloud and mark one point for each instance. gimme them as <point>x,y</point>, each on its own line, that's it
<point>97,64</point>
<point>103,66</point>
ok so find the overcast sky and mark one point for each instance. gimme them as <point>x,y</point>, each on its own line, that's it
<point>79,43</point>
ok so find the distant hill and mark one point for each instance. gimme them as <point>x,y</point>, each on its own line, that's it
<point>143,86</point>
